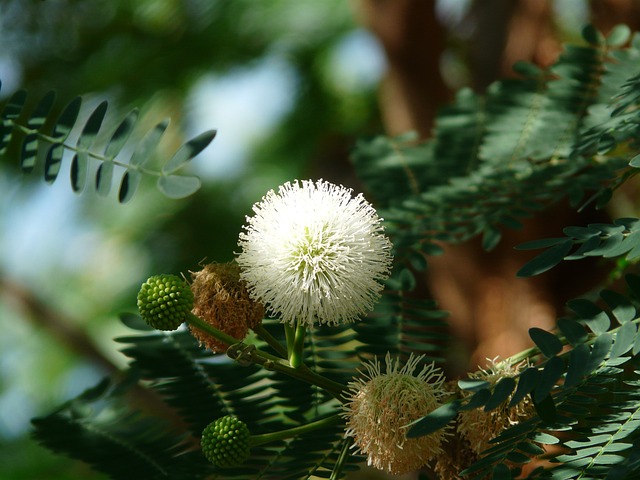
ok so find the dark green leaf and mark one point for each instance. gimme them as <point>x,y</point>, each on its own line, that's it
<point>607,245</point>
<point>544,438</point>
<point>631,241</point>
<point>61,130</point>
<point>92,127</point>
<point>501,393</point>
<point>546,260</point>
<point>38,117</point>
<point>28,152</point>
<point>53,162</point>
<point>67,120</point>
<point>572,330</point>
<point>618,36</point>
<point>547,342</point>
<point>135,322</point>
<point>187,151</point>
<point>491,237</point>
<point>501,472</point>
<point>606,143</point>
<point>543,243</point>
<point>579,233</point>
<point>434,421</point>
<point>603,197</point>
<point>578,365</point>
<point>407,280</point>
<point>177,186</point>
<point>128,185</point>
<point>527,381</point>
<point>530,448</point>
<point>620,305</point>
<point>121,134</point>
<point>479,399</point>
<point>592,35</point>
<point>634,284</point>
<point>608,459</point>
<point>36,121</point>
<point>104,177</point>
<point>546,408</point>
<point>599,351</point>
<point>518,458</point>
<point>472,384</point>
<point>418,261</point>
<point>586,248</point>
<point>592,315</point>
<point>636,344</point>
<point>79,172</point>
<point>625,338</point>
<point>148,144</point>
<point>10,112</point>
<point>553,370</point>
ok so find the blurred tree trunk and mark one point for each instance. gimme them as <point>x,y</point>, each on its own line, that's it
<point>606,14</point>
<point>491,309</point>
<point>413,40</point>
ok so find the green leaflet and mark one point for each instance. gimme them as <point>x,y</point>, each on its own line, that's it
<point>42,139</point>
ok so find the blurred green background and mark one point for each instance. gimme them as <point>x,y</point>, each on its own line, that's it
<point>289,84</point>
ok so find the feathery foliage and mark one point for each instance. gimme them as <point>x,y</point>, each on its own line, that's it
<point>43,137</point>
<point>569,132</point>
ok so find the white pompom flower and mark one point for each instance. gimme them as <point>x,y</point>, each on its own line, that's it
<point>381,405</point>
<point>314,253</point>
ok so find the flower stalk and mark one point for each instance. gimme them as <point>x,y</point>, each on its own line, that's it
<point>249,354</point>
<point>256,440</point>
<point>272,341</point>
<point>296,355</point>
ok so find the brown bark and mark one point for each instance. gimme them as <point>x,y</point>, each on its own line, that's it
<point>413,40</point>
<point>62,329</point>
<point>606,14</point>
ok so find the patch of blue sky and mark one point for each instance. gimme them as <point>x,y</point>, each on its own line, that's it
<point>357,62</point>
<point>246,104</point>
<point>243,105</point>
<point>37,225</point>
<point>10,76</point>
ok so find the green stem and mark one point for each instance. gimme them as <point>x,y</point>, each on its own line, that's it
<point>524,355</point>
<point>89,153</point>
<point>342,458</point>
<point>303,373</point>
<point>289,333</point>
<point>296,356</point>
<point>200,324</point>
<point>272,341</point>
<point>268,361</point>
<point>256,440</point>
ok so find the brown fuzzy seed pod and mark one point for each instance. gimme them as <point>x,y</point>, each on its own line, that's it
<point>221,299</point>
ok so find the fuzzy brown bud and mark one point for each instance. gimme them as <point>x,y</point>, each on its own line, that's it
<point>221,299</point>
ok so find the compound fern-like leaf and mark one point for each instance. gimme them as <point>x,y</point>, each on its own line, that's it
<point>42,141</point>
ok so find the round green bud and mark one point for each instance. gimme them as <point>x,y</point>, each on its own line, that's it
<point>165,301</point>
<point>225,442</point>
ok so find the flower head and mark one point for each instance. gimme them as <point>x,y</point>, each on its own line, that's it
<point>225,442</point>
<point>221,299</point>
<point>165,301</point>
<point>479,427</point>
<point>313,253</point>
<point>380,407</point>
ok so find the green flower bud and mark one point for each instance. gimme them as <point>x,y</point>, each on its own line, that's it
<point>225,442</point>
<point>165,301</point>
